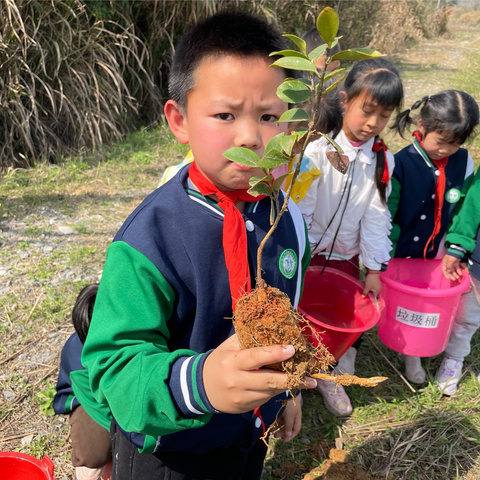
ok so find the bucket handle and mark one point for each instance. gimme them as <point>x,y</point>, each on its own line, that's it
<point>49,465</point>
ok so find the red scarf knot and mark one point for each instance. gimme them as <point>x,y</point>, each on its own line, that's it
<point>379,146</point>
<point>439,194</point>
<point>234,231</point>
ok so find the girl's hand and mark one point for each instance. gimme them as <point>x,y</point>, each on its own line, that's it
<point>372,283</point>
<point>290,422</point>
<point>234,380</point>
<point>451,268</point>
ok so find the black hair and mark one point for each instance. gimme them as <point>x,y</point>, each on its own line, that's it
<point>380,80</point>
<point>452,112</point>
<point>225,33</point>
<point>83,309</point>
<point>313,40</point>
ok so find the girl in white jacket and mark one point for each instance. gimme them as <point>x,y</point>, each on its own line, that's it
<point>346,214</point>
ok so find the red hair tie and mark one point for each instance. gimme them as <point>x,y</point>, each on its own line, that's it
<point>378,146</point>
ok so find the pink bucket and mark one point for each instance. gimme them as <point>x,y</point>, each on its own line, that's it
<point>420,306</point>
<point>332,305</point>
<point>20,466</point>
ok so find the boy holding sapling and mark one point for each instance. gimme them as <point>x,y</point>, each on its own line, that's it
<point>161,351</point>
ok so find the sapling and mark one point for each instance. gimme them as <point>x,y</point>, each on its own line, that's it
<point>265,316</point>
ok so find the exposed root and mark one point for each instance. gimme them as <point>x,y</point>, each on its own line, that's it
<point>265,317</point>
<point>346,379</point>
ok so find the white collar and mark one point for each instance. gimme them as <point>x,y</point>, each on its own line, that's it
<point>363,153</point>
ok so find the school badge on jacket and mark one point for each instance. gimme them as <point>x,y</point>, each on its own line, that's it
<point>288,263</point>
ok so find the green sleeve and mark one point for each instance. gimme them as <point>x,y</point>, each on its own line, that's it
<point>97,411</point>
<point>465,224</point>
<point>126,353</point>
<point>393,203</point>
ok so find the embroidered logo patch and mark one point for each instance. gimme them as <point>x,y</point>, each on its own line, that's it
<point>453,195</point>
<point>288,263</point>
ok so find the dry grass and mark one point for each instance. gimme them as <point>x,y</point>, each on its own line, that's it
<point>414,435</point>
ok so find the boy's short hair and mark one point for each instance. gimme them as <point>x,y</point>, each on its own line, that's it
<point>226,33</point>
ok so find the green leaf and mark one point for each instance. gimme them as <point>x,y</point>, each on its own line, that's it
<point>356,54</point>
<point>260,188</point>
<point>287,142</point>
<point>274,143</point>
<point>299,133</point>
<point>294,115</point>
<point>327,25</point>
<point>337,147</point>
<point>243,156</point>
<point>274,159</point>
<point>299,42</point>
<point>335,42</point>
<point>271,161</point>
<point>278,181</point>
<point>316,53</point>
<point>306,81</point>
<point>334,85</point>
<point>293,91</point>
<point>295,63</point>
<point>255,180</point>
<point>289,53</point>
<point>330,75</point>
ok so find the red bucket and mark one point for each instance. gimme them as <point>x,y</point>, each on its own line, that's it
<point>332,305</point>
<point>20,466</point>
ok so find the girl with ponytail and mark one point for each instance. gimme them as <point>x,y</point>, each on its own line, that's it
<point>346,214</point>
<point>429,183</point>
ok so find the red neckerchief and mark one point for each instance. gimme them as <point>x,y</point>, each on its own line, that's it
<point>379,145</point>
<point>439,194</point>
<point>234,231</point>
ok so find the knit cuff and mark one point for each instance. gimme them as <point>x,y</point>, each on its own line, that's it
<point>186,386</point>
<point>456,251</point>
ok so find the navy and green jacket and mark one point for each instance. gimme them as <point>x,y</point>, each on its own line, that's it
<point>463,237</point>
<point>164,303</point>
<point>64,400</point>
<point>412,200</point>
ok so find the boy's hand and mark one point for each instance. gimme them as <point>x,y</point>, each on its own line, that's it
<point>372,284</point>
<point>451,268</point>
<point>290,422</point>
<point>234,380</point>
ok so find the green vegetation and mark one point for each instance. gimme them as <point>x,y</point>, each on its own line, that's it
<point>77,74</point>
<point>414,435</point>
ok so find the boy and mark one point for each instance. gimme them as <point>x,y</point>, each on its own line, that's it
<point>161,350</point>
<point>91,445</point>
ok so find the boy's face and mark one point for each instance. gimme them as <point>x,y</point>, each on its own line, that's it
<point>233,104</point>
<point>437,145</point>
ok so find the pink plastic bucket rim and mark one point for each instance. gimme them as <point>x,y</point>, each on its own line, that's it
<point>463,285</point>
